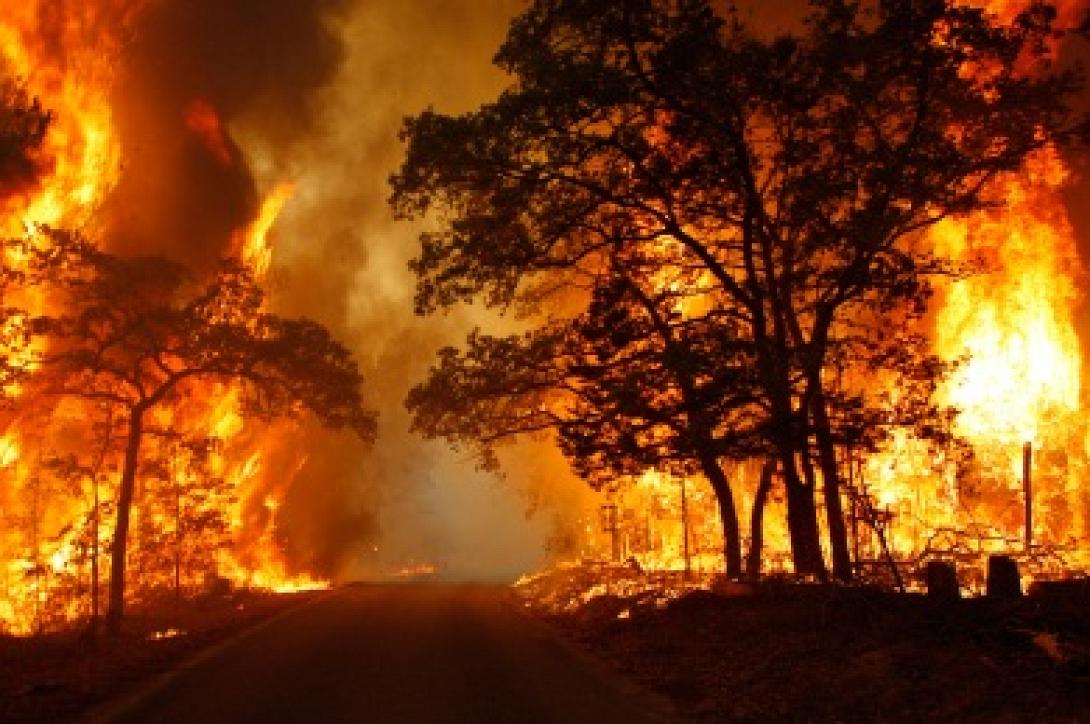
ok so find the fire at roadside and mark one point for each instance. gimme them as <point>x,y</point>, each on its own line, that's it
<point>205,503</point>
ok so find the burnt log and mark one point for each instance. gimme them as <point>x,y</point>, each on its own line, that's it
<point>1003,578</point>
<point>942,581</point>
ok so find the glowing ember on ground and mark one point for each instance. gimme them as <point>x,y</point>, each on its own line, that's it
<point>416,570</point>
<point>170,633</point>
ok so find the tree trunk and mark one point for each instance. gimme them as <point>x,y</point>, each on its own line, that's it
<point>728,515</point>
<point>756,521</point>
<point>121,531</point>
<point>93,627</point>
<point>802,521</point>
<point>177,541</point>
<point>830,474</point>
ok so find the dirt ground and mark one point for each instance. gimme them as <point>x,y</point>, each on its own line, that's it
<point>784,652</point>
<point>59,676</point>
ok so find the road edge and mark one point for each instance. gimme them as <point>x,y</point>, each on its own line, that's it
<point>116,707</point>
<point>655,703</point>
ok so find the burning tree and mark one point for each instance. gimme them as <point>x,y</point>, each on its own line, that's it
<point>137,335</point>
<point>791,179</point>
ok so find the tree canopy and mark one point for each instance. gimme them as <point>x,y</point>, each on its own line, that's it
<point>790,179</point>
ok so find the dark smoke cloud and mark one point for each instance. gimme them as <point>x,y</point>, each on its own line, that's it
<point>266,57</point>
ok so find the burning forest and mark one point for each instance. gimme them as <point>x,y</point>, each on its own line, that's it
<point>677,295</point>
<point>169,162</point>
<point>689,313</point>
<point>151,392</point>
<point>824,323</point>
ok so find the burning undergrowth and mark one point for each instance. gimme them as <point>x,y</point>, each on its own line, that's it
<point>591,588</point>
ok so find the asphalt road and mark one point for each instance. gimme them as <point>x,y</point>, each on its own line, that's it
<point>390,653</point>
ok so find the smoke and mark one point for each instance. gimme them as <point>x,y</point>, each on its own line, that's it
<point>177,196</point>
<point>344,261</point>
<point>218,103</point>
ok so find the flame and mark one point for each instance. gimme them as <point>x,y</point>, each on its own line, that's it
<point>68,55</point>
<point>256,249</point>
<point>1015,322</point>
<point>1013,329</point>
<point>68,60</point>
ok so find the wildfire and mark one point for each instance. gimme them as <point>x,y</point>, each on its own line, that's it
<point>72,74</point>
<point>256,250</point>
<point>1015,321</point>
<point>1012,329</point>
<point>68,58</point>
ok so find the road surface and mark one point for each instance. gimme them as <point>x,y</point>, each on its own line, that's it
<point>395,653</point>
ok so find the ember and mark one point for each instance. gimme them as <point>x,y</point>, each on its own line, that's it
<point>170,633</point>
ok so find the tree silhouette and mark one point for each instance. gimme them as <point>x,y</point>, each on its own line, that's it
<point>796,173</point>
<point>23,125</point>
<point>629,385</point>
<point>136,333</point>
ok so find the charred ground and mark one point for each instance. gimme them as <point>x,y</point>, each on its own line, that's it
<point>785,652</point>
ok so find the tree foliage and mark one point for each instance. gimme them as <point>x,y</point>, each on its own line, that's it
<point>790,179</point>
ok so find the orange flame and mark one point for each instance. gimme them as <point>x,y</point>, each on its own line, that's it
<point>67,55</point>
<point>1014,328</point>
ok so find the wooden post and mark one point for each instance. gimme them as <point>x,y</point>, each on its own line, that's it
<point>1027,491</point>
<point>942,581</point>
<point>611,526</point>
